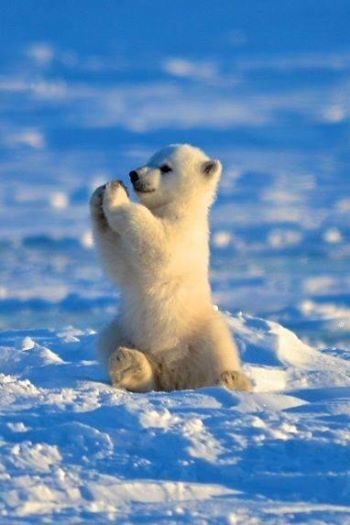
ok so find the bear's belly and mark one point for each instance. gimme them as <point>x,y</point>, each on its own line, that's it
<point>162,317</point>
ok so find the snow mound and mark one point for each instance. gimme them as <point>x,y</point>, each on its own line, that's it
<point>73,448</point>
<point>278,360</point>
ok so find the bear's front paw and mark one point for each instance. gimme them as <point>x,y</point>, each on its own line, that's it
<point>96,198</point>
<point>115,195</point>
<point>96,205</point>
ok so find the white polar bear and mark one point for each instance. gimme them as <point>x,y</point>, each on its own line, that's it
<point>168,335</point>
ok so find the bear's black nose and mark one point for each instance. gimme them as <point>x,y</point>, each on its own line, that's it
<point>134,176</point>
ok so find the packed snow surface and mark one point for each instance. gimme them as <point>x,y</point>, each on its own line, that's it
<point>73,447</point>
<point>89,90</point>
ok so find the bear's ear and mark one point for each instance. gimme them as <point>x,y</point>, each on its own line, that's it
<point>209,167</point>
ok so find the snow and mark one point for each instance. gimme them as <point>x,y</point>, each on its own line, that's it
<point>72,447</point>
<point>88,93</point>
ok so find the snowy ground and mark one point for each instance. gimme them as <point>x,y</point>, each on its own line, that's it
<point>76,448</point>
<point>89,90</point>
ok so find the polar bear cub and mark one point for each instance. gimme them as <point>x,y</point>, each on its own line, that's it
<point>168,335</point>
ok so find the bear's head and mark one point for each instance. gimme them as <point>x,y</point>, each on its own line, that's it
<point>178,173</point>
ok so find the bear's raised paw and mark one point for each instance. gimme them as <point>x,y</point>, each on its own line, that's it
<point>116,194</point>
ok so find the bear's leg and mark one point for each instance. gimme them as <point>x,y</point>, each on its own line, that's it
<point>215,358</point>
<point>142,233</point>
<point>131,370</point>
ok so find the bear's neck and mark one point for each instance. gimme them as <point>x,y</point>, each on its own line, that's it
<point>174,211</point>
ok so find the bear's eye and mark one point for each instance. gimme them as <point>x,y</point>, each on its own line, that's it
<point>165,168</point>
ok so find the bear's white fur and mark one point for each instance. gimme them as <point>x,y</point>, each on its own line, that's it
<point>168,335</point>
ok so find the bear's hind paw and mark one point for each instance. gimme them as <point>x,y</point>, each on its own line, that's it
<point>130,369</point>
<point>235,380</point>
